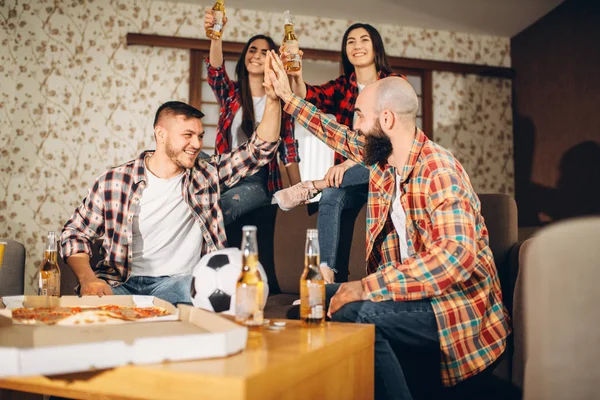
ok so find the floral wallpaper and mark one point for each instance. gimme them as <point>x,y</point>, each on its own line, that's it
<point>75,99</point>
<point>472,117</point>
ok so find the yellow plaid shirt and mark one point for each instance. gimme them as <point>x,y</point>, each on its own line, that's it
<point>449,262</point>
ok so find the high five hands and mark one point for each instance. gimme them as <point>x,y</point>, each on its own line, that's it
<point>276,76</point>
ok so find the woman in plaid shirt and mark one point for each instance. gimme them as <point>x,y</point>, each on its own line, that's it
<point>345,185</point>
<point>242,105</point>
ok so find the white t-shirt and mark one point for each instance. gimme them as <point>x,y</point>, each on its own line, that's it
<point>238,136</point>
<point>399,220</point>
<point>166,239</point>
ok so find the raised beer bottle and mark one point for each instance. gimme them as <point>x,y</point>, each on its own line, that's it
<point>290,44</point>
<point>218,12</point>
<point>312,284</point>
<point>49,276</point>
<point>250,286</point>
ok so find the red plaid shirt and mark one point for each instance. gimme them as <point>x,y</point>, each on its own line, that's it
<point>109,206</point>
<point>449,262</point>
<point>337,97</point>
<point>227,93</point>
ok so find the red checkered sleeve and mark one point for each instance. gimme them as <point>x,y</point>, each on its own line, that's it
<point>85,225</point>
<point>324,96</point>
<point>223,87</point>
<point>451,257</point>
<point>288,149</point>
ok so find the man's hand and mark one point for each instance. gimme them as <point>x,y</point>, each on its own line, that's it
<point>335,174</point>
<point>274,68</point>
<point>95,286</point>
<point>268,83</point>
<point>209,20</point>
<point>347,293</point>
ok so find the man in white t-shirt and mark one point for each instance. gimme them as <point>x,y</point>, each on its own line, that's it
<point>160,212</point>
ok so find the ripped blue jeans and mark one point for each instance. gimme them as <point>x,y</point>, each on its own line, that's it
<point>247,195</point>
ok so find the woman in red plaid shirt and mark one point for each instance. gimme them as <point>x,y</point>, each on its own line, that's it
<point>345,185</point>
<point>242,106</point>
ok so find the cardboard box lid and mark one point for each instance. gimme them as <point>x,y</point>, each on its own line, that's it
<point>51,349</point>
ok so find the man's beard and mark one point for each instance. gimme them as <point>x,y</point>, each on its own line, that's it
<point>174,156</point>
<point>378,146</point>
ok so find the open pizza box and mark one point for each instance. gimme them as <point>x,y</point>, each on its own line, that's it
<point>9,303</point>
<point>188,333</point>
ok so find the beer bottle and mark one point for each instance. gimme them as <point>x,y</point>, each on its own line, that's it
<point>49,276</point>
<point>250,286</point>
<point>290,44</point>
<point>218,12</point>
<point>312,284</point>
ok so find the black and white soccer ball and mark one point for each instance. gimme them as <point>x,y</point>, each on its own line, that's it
<point>214,280</point>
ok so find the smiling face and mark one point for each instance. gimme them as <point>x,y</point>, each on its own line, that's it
<point>256,56</point>
<point>180,139</point>
<point>359,48</point>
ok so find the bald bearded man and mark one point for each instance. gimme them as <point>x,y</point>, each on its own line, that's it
<point>432,284</point>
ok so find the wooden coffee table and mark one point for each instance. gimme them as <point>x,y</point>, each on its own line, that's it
<point>331,362</point>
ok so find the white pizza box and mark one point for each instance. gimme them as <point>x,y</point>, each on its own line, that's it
<point>52,349</point>
<point>9,303</point>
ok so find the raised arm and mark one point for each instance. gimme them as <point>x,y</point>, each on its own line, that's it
<point>216,46</point>
<point>324,97</point>
<point>338,137</point>
<point>78,234</point>
<point>223,87</point>
<point>260,149</point>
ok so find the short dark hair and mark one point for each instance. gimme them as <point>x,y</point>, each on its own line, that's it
<point>381,61</point>
<point>172,108</point>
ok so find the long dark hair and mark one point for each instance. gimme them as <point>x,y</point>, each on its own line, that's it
<point>246,95</point>
<point>381,61</point>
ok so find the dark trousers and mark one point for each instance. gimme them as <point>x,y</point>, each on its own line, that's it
<point>407,347</point>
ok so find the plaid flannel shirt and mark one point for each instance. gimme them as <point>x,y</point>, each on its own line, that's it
<point>109,206</point>
<point>227,93</point>
<point>450,261</point>
<point>337,97</point>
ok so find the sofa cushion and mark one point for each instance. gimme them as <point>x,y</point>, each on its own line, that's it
<point>288,247</point>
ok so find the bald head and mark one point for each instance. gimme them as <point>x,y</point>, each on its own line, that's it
<point>397,95</point>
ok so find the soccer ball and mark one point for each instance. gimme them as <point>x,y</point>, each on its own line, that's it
<point>214,280</point>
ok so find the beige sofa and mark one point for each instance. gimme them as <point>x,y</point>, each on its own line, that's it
<point>281,237</point>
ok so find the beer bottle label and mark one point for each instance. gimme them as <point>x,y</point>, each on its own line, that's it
<point>291,50</point>
<point>245,301</point>
<point>218,25</point>
<point>315,300</point>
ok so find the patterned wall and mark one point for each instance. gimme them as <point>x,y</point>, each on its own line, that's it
<point>74,99</point>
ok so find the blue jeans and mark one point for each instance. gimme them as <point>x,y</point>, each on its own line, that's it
<point>247,195</point>
<point>174,289</point>
<point>352,193</point>
<point>406,325</point>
